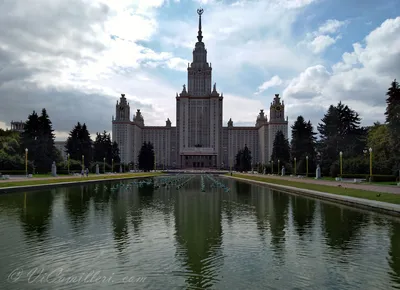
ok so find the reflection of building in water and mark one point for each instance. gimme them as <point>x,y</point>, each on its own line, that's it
<point>119,212</point>
<point>198,232</point>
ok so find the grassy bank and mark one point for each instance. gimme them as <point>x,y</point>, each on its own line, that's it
<point>359,193</point>
<point>55,180</point>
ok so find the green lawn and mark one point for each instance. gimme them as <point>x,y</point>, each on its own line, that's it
<point>77,179</point>
<point>384,197</point>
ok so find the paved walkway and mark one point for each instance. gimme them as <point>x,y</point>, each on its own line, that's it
<point>370,187</point>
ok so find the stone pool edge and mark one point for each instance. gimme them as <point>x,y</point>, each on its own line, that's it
<point>377,206</point>
<point>6,190</point>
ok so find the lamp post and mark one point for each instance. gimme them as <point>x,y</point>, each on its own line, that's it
<point>68,162</point>
<point>112,165</point>
<point>307,166</point>
<point>295,166</point>
<point>26,162</point>
<point>370,164</point>
<point>104,165</point>
<point>272,166</point>
<point>83,162</point>
<point>341,163</point>
<point>155,162</point>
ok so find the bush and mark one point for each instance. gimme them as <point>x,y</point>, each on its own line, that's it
<point>383,178</point>
<point>13,172</point>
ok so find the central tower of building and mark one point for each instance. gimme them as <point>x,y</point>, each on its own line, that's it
<point>198,140</point>
<point>199,112</point>
<point>199,71</point>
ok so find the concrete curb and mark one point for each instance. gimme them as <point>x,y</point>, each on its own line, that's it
<point>378,206</point>
<point>5,190</point>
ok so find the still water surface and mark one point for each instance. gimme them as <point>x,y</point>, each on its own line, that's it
<point>95,237</point>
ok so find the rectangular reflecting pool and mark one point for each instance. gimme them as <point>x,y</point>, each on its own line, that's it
<point>191,232</point>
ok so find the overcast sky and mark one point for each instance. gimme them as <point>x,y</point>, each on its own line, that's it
<point>76,57</point>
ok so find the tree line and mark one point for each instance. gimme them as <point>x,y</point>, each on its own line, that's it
<point>339,131</point>
<point>37,143</point>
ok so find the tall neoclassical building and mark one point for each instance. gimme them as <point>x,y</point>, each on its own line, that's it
<point>199,138</point>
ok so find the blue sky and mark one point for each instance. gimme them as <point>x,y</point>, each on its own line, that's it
<point>312,52</point>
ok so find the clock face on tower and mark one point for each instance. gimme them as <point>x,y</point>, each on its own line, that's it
<point>278,108</point>
<point>121,108</point>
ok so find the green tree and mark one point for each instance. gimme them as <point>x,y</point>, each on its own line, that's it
<point>30,136</point>
<point>79,143</point>
<point>115,152</point>
<point>146,157</point>
<point>303,141</point>
<point>73,144</point>
<point>393,120</point>
<point>280,149</point>
<point>47,152</point>
<point>243,159</point>
<point>393,110</point>
<point>381,144</point>
<point>340,130</point>
<point>102,147</point>
<point>38,138</point>
<point>10,153</point>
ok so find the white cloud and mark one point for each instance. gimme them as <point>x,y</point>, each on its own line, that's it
<point>360,80</point>
<point>4,126</point>
<point>321,42</point>
<point>234,41</point>
<point>331,26</point>
<point>62,57</point>
<point>240,109</point>
<point>273,82</point>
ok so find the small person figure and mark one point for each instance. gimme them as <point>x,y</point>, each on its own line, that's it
<point>87,172</point>
<point>82,173</point>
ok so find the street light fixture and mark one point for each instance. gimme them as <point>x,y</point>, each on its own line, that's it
<point>68,162</point>
<point>112,165</point>
<point>26,162</point>
<point>295,166</point>
<point>341,164</point>
<point>83,162</point>
<point>104,165</point>
<point>370,164</point>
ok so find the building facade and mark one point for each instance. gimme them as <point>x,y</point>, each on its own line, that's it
<point>17,126</point>
<point>60,146</point>
<point>199,138</point>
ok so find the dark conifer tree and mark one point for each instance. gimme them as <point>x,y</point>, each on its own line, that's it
<point>281,149</point>
<point>243,159</point>
<point>146,157</point>
<point>393,111</point>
